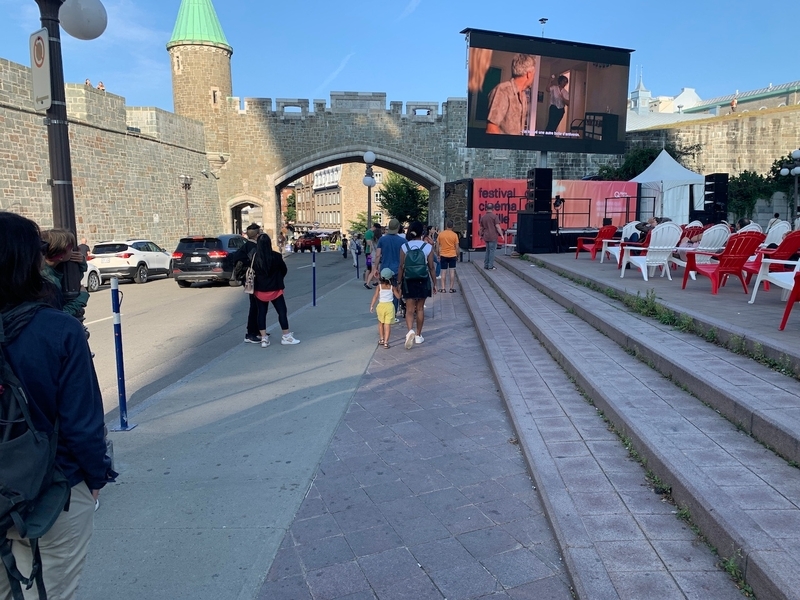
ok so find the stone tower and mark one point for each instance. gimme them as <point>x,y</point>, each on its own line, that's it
<point>201,73</point>
<point>640,98</point>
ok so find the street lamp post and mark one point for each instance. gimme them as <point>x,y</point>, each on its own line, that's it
<point>86,20</point>
<point>186,184</point>
<point>369,181</point>
<point>793,168</point>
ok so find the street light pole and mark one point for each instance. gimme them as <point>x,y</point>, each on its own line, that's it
<point>186,184</point>
<point>369,181</point>
<point>793,168</point>
<point>86,21</point>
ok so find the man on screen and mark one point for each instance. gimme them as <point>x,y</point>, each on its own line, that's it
<point>508,101</point>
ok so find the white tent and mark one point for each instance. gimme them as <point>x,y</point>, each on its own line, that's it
<point>665,189</point>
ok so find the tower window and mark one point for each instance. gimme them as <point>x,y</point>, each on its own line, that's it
<point>177,63</point>
<point>214,96</point>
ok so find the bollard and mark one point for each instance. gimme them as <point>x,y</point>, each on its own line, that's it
<point>123,403</point>
<point>313,277</point>
<point>355,261</point>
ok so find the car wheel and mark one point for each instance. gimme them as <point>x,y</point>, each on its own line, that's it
<point>183,284</point>
<point>141,274</point>
<point>93,282</point>
<point>294,249</point>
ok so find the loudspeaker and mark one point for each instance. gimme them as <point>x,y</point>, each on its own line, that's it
<point>716,195</point>
<point>533,232</point>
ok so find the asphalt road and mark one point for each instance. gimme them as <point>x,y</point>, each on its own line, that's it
<point>169,332</point>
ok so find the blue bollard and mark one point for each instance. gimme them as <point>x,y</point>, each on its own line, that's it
<point>123,403</point>
<point>313,277</point>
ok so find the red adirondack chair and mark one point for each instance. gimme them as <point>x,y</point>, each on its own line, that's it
<point>794,296</point>
<point>595,244</point>
<point>787,248</point>
<point>730,261</point>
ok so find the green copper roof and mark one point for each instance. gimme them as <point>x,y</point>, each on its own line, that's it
<point>198,22</point>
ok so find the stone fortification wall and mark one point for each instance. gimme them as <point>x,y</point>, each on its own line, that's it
<point>125,182</point>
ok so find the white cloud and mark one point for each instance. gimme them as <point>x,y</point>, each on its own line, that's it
<point>322,86</point>
<point>410,8</point>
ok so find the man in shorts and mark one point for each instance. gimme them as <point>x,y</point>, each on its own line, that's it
<point>370,240</point>
<point>447,249</point>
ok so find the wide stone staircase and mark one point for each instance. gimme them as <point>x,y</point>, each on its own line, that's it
<point>668,465</point>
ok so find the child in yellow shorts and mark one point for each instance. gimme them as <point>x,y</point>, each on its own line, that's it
<point>385,309</point>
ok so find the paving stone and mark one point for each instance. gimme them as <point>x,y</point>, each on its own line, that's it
<point>287,588</point>
<point>414,588</point>
<point>552,588</point>
<point>488,542</point>
<point>389,567</point>
<point>441,554</point>
<point>285,564</point>
<point>325,552</point>
<point>317,528</point>
<point>336,581</point>
<point>516,567</point>
<point>373,540</point>
<point>464,583</point>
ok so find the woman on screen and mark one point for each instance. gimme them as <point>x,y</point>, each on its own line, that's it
<point>559,98</point>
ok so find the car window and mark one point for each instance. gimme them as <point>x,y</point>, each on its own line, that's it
<point>236,242</point>
<point>140,246</point>
<point>192,244</point>
<point>153,247</point>
<point>109,248</point>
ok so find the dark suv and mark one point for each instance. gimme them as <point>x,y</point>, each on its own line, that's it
<point>202,258</point>
<point>307,242</point>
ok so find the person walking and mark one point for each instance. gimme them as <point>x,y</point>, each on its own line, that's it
<point>490,232</point>
<point>384,295</point>
<point>447,249</point>
<point>416,278</point>
<point>48,352</point>
<point>268,287</point>
<point>371,238</point>
<point>242,259</point>
<point>387,254</point>
<point>344,246</point>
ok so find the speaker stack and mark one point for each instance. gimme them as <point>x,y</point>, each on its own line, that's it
<point>715,201</point>
<point>534,223</point>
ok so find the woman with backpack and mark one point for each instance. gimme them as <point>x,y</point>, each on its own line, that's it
<point>270,271</point>
<point>47,351</point>
<point>416,280</point>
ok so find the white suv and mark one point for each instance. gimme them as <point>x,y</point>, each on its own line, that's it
<point>131,259</point>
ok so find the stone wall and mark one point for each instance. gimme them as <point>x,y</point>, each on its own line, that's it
<point>125,180</point>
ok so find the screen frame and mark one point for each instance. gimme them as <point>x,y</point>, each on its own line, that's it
<point>546,48</point>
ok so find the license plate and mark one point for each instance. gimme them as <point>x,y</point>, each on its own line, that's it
<point>105,260</point>
<point>195,259</point>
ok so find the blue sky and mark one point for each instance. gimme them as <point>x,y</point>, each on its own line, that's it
<point>412,49</point>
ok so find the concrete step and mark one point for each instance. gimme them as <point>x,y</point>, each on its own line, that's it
<point>619,539</point>
<point>742,497</point>
<point>759,400</point>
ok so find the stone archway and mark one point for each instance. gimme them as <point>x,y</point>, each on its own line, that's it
<point>404,165</point>
<point>235,207</point>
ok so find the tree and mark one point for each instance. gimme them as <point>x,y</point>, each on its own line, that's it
<point>291,208</point>
<point>403,199</point>
<point>782,183</point>
<point>745,189</point>
<point>359,225</point>
<point>638,159</point>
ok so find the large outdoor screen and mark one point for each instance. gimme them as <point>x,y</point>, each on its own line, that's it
<point>527,93</point>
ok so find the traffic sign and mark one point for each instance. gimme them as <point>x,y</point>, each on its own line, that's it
<point>40,69</point>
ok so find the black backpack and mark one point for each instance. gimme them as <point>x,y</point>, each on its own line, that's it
<point>33,490</point>
<point>415,265</point>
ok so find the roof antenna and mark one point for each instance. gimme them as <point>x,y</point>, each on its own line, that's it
<point>543,21</point>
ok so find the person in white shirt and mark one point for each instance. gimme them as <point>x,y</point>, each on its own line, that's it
<point>559,98</point>
<point>776,218</point>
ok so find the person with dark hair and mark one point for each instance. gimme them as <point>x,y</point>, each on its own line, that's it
<point>447,249</point>
<point>415,289</point>
<point>489,232</point>
<point>270,270</point>
<point>776,218</point>
<point>559,99</point>
<point>61,249</point>
<point>241,260</point>
<point>741,223</point>
<point>48,352</point>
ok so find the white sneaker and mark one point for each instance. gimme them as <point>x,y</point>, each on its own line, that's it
<point>264,342</point>
<point>289,340</point>
<point>410,339</point>
<point>419,339</point>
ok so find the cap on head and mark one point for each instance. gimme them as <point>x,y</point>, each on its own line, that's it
<point>387,273</point>
<point>394,226</point>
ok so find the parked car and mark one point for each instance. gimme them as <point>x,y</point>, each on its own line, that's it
<point>132,259</point>
<point>91,279</point>
<point>205,258</point>
<point>307,242</point>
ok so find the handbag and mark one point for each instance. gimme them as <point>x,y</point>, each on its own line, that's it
<point>250,277</point>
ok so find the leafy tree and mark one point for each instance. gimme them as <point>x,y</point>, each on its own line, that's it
<point>291,208</point>
<point>782,183</point>
<point>638,159</point>
<point>359,225</point>
<point>403,199</point>
<point>745,189</point>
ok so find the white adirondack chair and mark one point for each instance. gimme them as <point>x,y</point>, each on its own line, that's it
<point>752,227</point>
<point>612,246</point>
<point>776,233</point>
<point>783,279</point>
<point>713,240</point>
<point>663,240</point>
